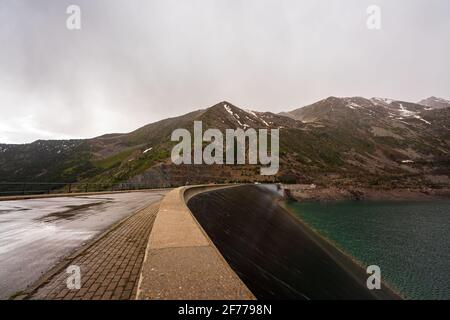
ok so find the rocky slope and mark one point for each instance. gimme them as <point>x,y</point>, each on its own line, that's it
<point>435,103</point>
<point>358,142</point>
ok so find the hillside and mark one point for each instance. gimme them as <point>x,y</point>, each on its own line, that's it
<point>377,143</point>
<point>435,103</point>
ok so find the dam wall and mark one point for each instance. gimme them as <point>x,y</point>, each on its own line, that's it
<point>236,242</point>
<point>273,252</point>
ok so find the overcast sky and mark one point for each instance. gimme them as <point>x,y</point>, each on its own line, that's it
<point>135,62</point>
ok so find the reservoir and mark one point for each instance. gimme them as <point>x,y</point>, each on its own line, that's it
<point>409,241</point>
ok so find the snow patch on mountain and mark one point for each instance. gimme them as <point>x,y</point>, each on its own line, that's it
<point>405,112</point>
<point>259,118</point>
<point>411,114</point>
<point>353,105</point>
<point>381,100</point>
<point>263,121</point>
<point>440,100</point>
<point>228,109</point>
<point>422,119</point>
<point>251,112</point>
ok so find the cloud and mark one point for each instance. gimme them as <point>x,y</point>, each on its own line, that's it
<point>140,61</point>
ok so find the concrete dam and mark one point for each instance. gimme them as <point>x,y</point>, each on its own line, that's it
<point>274,254</point>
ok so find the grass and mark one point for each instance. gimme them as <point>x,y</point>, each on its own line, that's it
<point>114,160</point>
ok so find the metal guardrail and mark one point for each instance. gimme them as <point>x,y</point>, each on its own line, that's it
<point>36,188</point>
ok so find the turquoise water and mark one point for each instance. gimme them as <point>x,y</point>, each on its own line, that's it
<point>409,241</point>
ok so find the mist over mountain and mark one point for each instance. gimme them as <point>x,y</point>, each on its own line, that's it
<point>377,142</point>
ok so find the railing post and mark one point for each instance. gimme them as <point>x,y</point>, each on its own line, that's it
<point>86,188</point>
<point>70,187</point>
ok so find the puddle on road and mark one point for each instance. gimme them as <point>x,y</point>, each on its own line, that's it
<point>16,209</point>
<point>72,212</point>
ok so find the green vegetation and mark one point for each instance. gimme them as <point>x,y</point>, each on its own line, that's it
<point>113,161</point>
<point>337,145</point>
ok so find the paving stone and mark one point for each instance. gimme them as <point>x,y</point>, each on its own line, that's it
<point>110,266</point>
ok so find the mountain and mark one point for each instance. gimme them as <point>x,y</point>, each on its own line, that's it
<point>435,103</point>
<point>141,156</point>
<point>337,141</point>
<point>339,109</point>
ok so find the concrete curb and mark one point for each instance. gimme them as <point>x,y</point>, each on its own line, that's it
<point>181,262</point>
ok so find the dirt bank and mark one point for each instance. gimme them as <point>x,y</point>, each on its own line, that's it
<point>300,192</point>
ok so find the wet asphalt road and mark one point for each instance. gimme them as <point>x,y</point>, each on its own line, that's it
<point>36,234</point>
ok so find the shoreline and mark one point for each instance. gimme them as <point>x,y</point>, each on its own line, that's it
<point>333,249</point>
<point>330,194</point>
